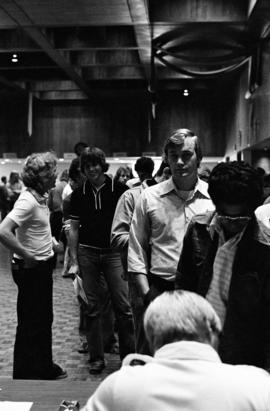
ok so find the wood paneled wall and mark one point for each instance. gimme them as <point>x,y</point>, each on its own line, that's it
<point>112,124</point>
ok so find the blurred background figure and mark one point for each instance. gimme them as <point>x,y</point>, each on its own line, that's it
<point>79,147</point>
<point>55,204</point>
<point>204,173</point>
<point>14,187</point>
<point>163,173</point>
<point>4,198</point>
<point>123,174</point>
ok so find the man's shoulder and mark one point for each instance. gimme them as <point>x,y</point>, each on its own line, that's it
<point>203,219</point>
<point>157,189</point>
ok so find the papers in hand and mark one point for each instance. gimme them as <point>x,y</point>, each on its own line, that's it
<point>78,287</point>
<point>15,406</point>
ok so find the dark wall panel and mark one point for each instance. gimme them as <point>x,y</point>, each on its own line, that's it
<point>114,124</point>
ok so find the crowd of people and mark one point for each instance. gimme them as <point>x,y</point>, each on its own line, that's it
<point>176,264</point>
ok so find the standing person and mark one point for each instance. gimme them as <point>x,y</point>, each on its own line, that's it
<point>223,260</point>
<point>121,226</point>
<point>122,175</point>
<point>32,270</point>
<point>160,220</point>
<point>92,208</point>
<point>14,187</point>
<point>4,198</point>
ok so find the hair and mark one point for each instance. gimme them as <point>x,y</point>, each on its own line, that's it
<point>180,315</point>
<point>34,165</point>
<point>122,170</point>
<point>79,147</point>
<point>64,175</point>
<point>74,171</point>
<point>4,179</point>
<point>94,156</point>
<point>144,165</point>
<point>177,138</point>
<point>235,182</point>
<point>14,177</point>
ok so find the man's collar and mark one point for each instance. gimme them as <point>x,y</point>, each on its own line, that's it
<point>168,186</point>
<point>187,350</point>
<point>41,199</point>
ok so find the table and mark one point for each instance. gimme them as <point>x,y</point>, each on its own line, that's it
<point>46,395</point>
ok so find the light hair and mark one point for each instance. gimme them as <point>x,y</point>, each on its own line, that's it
<point>180,315</point>
<point>178,137</point>
<point>35,164</point>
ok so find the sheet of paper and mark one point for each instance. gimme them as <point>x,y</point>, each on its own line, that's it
<point>15,406</point>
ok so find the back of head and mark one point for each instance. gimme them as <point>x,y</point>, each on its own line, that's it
<point>180,315</point>
<point>235,182</point>
<point>74,171</point>
<point>79,147</point>
<point>144,165</point>
<point>34,165</point>
<point>177,138</point>
<point>94,156</point>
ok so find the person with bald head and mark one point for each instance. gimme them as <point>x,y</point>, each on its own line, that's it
<point>160,220</point>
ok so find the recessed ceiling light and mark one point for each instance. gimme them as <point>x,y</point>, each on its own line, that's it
<point>14,60</point>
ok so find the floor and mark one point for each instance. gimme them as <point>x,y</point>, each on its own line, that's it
<point>65,327</point>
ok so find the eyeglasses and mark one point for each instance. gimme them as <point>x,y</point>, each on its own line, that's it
<point>230,219</point>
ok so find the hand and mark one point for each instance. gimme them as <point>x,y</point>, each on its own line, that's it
<point>74,269</point>
<point>30,261</point>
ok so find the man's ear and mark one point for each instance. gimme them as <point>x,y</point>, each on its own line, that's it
<point>165,160</point>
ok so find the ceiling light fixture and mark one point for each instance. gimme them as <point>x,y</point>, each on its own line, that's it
<point>14,58</point>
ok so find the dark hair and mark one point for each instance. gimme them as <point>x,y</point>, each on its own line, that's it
<point>74,171</point>
<point>144,165</point>
<point>64,176</point>
<point>79,147</point>
<point>235,182</point>
<point>94,156</point>
<point>177,138</point>
<point>121,170</point>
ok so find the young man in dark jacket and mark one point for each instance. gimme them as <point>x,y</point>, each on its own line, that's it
<point>223,261</point>
<point>92,209</point>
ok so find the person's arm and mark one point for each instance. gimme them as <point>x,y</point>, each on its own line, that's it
<point>8,238</point>
<point>121,222</point>
<point>185,273</point>
<point>73,246</point>
<point>138,251</point>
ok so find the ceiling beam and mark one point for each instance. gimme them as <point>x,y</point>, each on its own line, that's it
<point>12,85</point>
<point>140,17</point>
<point>23,20</point>
<point>259,18</point>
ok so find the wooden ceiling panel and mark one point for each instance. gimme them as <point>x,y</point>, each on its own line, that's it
<point>6,22</point>
<point>197,10</point>
<point>72,48</point>
<point>113,73</point>
<point>76,13</point>
<point>93,37</point>
<point>106,58</point>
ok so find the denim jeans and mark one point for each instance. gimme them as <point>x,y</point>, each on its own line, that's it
<point>93,262</point>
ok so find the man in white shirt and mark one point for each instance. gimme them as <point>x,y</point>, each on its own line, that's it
<point>160,220</point>
<point>186,372</point>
